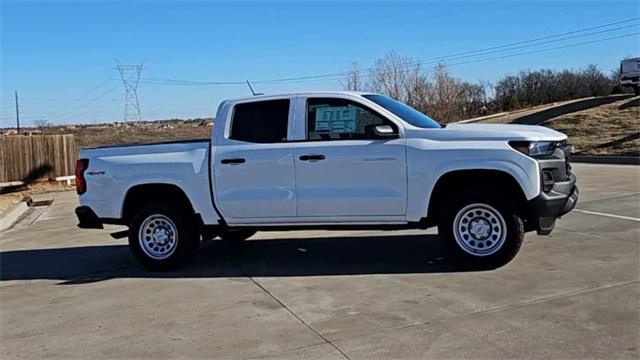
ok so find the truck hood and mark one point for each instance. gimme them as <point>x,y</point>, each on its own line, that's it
<point>457,132</point>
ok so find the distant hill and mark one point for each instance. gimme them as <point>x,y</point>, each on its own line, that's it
<point>139,132</point>
<point>610,129</point>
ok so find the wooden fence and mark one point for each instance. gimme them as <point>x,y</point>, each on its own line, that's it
<point>27,158</point>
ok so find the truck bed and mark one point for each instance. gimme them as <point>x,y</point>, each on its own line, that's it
<point>115,170</point>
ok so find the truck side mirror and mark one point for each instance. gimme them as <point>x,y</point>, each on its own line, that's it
<point>384,131</point>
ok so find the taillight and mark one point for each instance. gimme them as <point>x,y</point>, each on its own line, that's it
<point>81,166</point>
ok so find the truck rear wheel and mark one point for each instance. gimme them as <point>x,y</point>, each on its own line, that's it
<point>234,235</point>
<point>481,229</point>
<point>162,237</point>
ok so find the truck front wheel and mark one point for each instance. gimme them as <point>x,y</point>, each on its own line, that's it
<point>162,237</point>
<point>481,229</point>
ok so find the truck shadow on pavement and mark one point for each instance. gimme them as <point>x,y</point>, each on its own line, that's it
<point>321,256</point>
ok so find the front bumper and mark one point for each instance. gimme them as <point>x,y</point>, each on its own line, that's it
<point>559,193</point>
<point>547,207</point>
<point>630,80</point>
<point>87,218</point>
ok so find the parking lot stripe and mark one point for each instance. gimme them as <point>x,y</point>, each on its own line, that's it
<point>607,215</point>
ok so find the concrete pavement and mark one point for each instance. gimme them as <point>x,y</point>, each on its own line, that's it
<point>71,293</point>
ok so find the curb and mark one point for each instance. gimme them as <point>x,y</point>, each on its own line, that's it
<point>615,160</point>
<point>539,117</point>
<point>468,121</point>
<point>10,216</point>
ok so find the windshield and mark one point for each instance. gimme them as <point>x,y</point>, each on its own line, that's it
<point>406,113</point>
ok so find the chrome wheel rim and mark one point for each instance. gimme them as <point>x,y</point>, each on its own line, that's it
<point>479,229</point>
<point>158,237</point>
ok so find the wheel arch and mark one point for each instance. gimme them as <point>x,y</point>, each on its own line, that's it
<point>457,179</point>
<point>138,195</point>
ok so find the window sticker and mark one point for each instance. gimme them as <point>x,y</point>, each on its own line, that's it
<point>336,119</point>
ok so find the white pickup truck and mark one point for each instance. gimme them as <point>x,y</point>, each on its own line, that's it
<point>630,73</point>
<point>331,160</point>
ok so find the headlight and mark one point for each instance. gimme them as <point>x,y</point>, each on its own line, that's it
<point>542,148</point>
<point>536,148</point>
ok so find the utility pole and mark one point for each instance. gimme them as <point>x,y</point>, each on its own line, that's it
<point>130,75</point>
<point>17,113</point>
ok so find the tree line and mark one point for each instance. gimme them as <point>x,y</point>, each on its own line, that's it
<point>443,96</point>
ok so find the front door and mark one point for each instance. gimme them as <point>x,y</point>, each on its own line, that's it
<point>253,163</point>
<point>343,170</point>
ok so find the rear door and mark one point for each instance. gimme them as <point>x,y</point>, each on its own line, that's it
<point>344,172</point>
<point>253,163</point>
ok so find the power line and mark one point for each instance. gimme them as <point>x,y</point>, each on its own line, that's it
<point>100,106</point>
<point>483,59</point>
<point>551,49</point>
<point>528,52</point>
<point>509,46</point>
<point>75,108</point>
<point>460,55</point>
<point>71,108</point>
<point>73,111</point>
<point>440,59</point>
<point>188,82</point>
<point>78,98</point>
<point>373,69</point>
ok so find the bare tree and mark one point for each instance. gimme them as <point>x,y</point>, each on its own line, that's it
<point>488,91</point>
<point>438,93</point>
<point>598,84</point>
<point>353,80</point>
<point>546,86</point>
<point>42,123</point>
<point>445,97</point>
<point>392,74</point>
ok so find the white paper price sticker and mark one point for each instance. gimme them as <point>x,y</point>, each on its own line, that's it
<point>336,119</point>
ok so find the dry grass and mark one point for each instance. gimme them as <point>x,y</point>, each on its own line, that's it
<point>135,133</point>
<point>49,186</point>
<point>610,129</point>
<point>8,200</point>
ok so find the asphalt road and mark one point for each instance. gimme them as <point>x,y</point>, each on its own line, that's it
<point>69,293</point>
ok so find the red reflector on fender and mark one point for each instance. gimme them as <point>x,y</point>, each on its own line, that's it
<point>81,166</point>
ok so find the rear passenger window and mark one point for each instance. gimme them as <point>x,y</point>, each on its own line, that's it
<point>260,121</point>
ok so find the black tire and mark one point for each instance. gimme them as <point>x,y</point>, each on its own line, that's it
<point>636,90</point>
<point>236,235</point>
<point>463,203</point>
<point>187,237</point>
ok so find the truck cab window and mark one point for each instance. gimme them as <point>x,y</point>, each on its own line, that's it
<point>260,121</point>
<point>340,119</point>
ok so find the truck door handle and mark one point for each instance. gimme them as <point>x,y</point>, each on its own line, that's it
<point>312,157</point>
<point>233,161</point>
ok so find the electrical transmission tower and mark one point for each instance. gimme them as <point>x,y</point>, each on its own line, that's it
<point>130,75</point>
